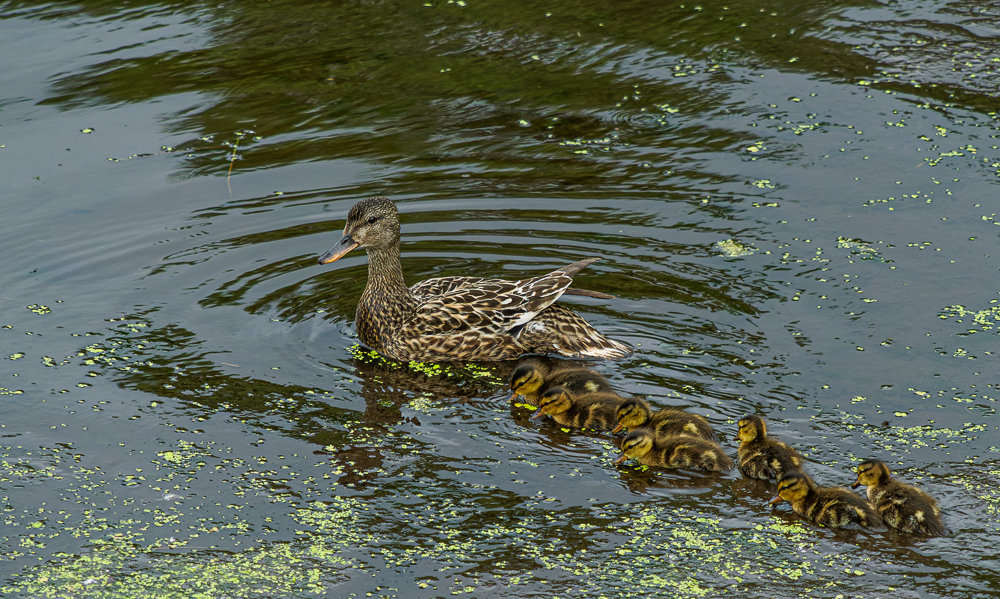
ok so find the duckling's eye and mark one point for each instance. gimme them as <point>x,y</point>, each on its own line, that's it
<point>372,220</point>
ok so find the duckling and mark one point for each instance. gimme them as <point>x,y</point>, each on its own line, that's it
<point>901,506</point>
<point>533,376</point>
<point>590,410</point>
<point>677,451</point>
<point>635,413</point>
<point>761,456</point>
<point>834,507</point>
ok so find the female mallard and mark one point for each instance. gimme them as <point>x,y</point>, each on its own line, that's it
<point>760,456</point>
<point>460,318</point>
<point>533,376</point>
<point>635,413</point>
<point>902,506</point>
<point>676,451</point>
<point>833,507</point>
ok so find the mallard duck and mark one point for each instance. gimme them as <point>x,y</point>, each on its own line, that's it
<point>589,410</point>
<point>833,507</point>
<point>460,318</point>
<point>635,413</point>
<point>677,451</point>
<point>902,506</point>
<point>760,456</point>
<point>532,376</point>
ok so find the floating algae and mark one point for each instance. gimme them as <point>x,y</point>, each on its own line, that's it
<point>734,249</point>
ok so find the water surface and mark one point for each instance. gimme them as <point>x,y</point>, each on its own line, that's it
<point>794,206</point>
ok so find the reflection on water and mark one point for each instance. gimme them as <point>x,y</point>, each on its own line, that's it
<point>788,201</point>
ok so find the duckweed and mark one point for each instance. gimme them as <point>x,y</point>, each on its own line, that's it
<point>469,371</point>
<point>985,319</point>
<point>734,249</point>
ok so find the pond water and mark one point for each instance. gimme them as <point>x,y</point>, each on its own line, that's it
<point>796,209</point>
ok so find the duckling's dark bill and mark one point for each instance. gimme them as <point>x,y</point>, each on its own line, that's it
<point>345,245</point>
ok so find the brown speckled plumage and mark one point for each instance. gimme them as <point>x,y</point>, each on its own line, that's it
<point>833,507</point>
<point>760,456</point>
<point>635,413</point>
<point>460,318</point>
<point>677,451</point>
<point>902,506</point>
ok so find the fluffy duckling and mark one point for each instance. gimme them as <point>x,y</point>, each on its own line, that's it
<point>760,456</point>
<point>590,410</point>
<point>901,506</point>
<point>834,507</point>
<point>635,413</point>
<point>678,451</point>
<point>531,377</point>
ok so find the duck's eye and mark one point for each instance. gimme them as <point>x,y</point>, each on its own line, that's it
<point>372,220</point>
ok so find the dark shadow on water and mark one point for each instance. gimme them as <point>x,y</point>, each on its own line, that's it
<point>486,85</point>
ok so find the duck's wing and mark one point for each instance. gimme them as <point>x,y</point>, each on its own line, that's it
<point>431,288</point>
<point>491,305</point>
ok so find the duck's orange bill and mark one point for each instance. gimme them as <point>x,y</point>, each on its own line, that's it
<point>856,484</point>
<point>338,251</point>
<point>513,396</point>
<point>617,429</point>
<point>620,459</point>
<point>776,499</point>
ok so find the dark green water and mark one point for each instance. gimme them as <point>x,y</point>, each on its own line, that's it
<point>795,204</point>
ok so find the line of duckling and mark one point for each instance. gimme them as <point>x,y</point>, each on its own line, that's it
<point>578,397</point>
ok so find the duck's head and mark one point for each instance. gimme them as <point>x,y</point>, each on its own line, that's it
<point>526,378</point>
<point>632,413</point>
<point>871,472</point>
<point>373,222</point>
<point>635,445</point>
<point>555,400</point>
<point>750,428</point>
<point>792,486</point>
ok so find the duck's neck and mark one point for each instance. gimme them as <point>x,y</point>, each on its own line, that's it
<point>386,303</point>
<point>810,498</point>
<point>385,275</point>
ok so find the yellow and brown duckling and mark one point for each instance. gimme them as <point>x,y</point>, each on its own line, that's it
<point>532,376</point>
<point>461,318</point>
<point>635,413</point>
<point>902,506</point>
<point>760,456</point>
<point>833,507</point>
<point>677,451</point>
<point>590,410</point>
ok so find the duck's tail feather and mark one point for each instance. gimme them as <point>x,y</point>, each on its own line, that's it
<point>559,330</point>
<point>588,293</point>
